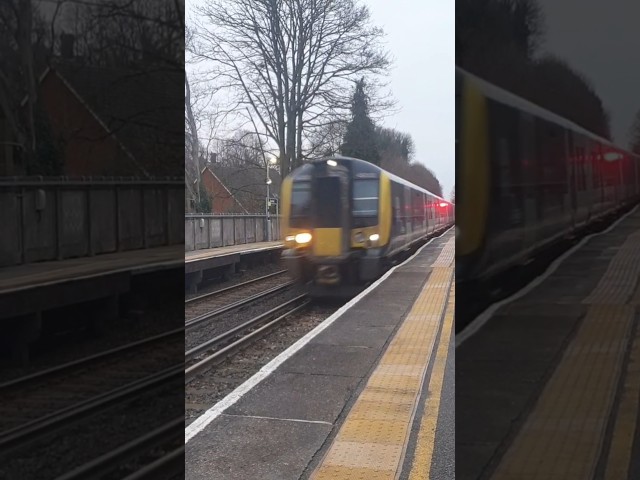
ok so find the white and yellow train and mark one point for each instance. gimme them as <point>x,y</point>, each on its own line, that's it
<point>345,220</point>
<point>527,178</point>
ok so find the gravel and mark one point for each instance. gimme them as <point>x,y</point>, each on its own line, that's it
<point>62,347</point>
<point>218,300</point>
<point>151,313</point>
<point>76,445</point>
<point>210,329</point>
<point>213,385</point>
<point>73,386</point>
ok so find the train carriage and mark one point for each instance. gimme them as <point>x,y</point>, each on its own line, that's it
<point>345,220</point>
<point>526,178</point>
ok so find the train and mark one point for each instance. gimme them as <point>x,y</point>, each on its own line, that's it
<point>526,178</point>
<point>346,220</point>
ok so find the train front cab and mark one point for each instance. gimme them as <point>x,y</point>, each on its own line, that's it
<point>334,223</point>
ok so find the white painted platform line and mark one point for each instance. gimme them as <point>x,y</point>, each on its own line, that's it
<point>485,316</point>
<point>210,415</point>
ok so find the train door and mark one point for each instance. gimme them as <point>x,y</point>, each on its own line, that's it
<point>408,220</point>
<point>572,181</point>
<point>332,222</point>
<point>528,180</point>
<point>601,189</point>
<point>425,213</point>
<point>582,195</point>
<point>590,196</point>
<point>397,226</point>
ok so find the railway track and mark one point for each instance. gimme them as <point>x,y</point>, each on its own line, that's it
<point>164,446</point>
<point>213,304</point>
<point>215,350</point>
<point>37,405</point>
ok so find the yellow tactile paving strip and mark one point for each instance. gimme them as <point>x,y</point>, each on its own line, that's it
<point>563,436</point>
<point>421,469</point>
<point>371,443</point>
<point>618,283</point>
<point>625,426</point>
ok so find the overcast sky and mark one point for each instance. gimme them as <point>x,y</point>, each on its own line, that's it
<point>602,41</point>
<point>420,36</point>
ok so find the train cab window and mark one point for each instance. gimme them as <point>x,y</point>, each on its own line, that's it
<point>365,202</point>
<point>300,204</point>
<point>329,195</point>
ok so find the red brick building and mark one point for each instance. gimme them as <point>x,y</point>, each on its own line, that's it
<point>220,198</point>
<point>114,122</point>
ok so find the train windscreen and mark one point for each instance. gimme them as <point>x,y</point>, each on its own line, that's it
<point>365,203</point>
<point>301,205</point>
<point>328,203</point>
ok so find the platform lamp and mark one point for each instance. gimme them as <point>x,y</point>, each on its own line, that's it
<point>271,161</point>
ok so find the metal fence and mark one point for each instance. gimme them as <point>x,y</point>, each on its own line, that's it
<point>55,219</point>
<point>211,231</point>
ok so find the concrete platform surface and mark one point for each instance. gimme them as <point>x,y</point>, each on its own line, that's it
<point>549,387</point>
<point>367,393</point>
<point>197,255</point>
<point>35,275</point>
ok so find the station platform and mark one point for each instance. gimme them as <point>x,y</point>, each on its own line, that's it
<point>368,394</point>
<point>548,386</point>
<point>222,252</point>
<point>198,261</point>
<point>30,292</point>
<point>54,283</point>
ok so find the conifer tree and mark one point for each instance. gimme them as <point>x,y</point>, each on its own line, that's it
<point>360,140</point>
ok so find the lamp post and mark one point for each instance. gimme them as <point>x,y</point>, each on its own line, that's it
<point>272,161</point>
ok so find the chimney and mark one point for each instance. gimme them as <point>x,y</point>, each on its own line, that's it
<point>213,157</point>
<point>66,45</point>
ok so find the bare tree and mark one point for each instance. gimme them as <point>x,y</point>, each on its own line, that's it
<point>241,167</point>
<point>291,62</point>
<point>123,32</point>
<point>192,142</point>
<point>327,139</point>
<point>393,143</point>
<point>117,33</point>
<point>22,43</point>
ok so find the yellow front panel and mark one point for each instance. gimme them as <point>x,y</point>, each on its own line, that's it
<point>285,205</point>
<point>327,242</point>
<point>384,207</point>
<point>475,171</point>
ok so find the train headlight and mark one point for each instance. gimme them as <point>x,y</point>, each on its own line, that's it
<point>374,237</point>
<point>303,238</point>
<point>359,238</point>
<point>290,238</point>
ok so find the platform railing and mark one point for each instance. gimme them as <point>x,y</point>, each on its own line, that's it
<point>59,218</point>
<point>203,231</point>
